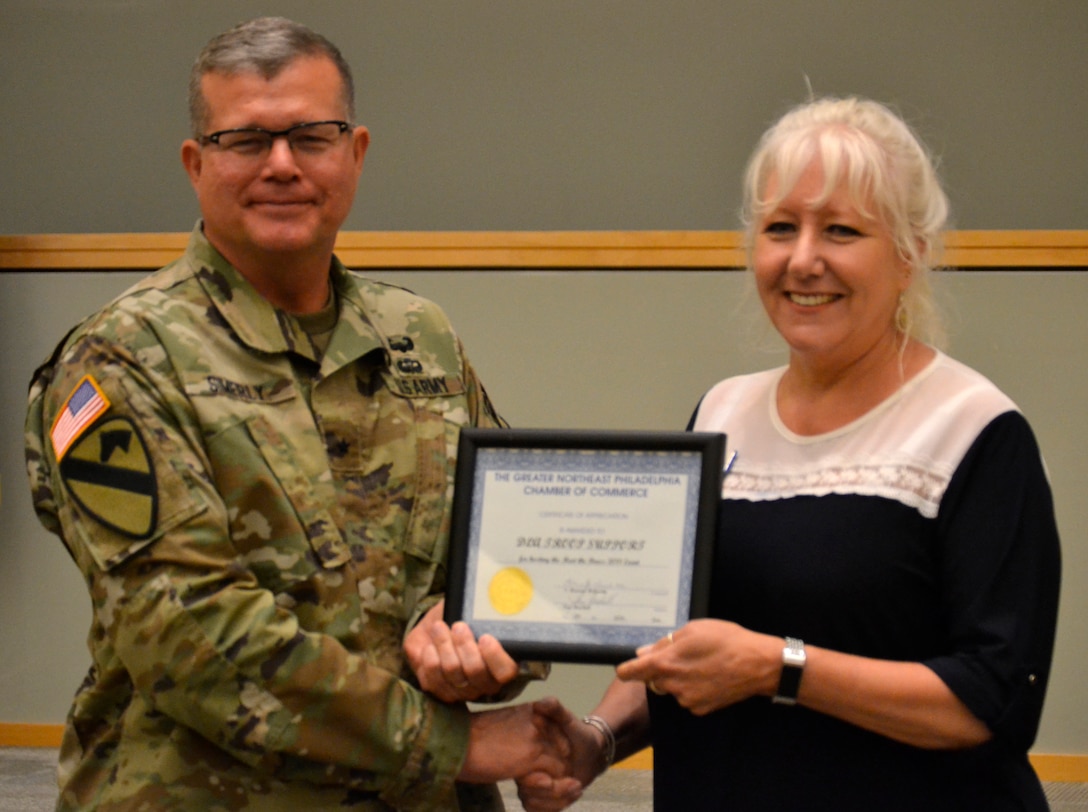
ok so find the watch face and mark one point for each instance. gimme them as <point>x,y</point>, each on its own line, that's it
<point>793,668</point>
<point>794,653</point>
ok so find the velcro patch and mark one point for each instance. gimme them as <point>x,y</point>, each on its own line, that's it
<point>420,386</point>
<point>85,405</point>
<point>110,475</point>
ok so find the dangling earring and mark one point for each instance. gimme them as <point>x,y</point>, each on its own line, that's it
<point>902,317</point>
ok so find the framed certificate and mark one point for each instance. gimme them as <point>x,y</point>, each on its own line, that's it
<point>581,546</point>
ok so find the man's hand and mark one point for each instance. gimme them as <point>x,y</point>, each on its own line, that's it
<point>451,664</point>
<point>516,740</point>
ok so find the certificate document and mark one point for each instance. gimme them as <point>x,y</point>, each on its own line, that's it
<point>582,545</point>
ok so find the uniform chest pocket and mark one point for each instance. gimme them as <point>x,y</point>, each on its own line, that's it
<point>310,495</point>
<point>279,509</point>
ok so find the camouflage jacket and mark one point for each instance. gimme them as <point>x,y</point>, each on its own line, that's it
<point>258,528</point>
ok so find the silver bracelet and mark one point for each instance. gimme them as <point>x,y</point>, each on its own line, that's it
<point>609,737</point>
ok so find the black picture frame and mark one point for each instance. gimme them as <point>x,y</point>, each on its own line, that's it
<point>591,516</point>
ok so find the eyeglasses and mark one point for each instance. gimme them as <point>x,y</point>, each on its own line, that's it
<point>311,138</point>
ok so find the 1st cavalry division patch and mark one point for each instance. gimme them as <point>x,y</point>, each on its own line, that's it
<point>109,473</point>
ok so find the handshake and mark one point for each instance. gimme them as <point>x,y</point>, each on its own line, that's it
<point>551,753</point>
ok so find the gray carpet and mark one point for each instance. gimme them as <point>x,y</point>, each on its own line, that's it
<point>27,785</point>
<point>27,779</point>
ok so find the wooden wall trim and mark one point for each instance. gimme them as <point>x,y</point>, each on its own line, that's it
<point>492,250</point>
<point>14,734</point>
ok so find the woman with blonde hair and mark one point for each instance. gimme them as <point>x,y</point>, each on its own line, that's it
<point>886,570</point>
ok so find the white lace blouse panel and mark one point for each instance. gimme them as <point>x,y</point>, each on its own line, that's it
<point>905,449</point>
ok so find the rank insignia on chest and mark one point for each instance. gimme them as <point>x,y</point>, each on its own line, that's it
<point>109,473</point>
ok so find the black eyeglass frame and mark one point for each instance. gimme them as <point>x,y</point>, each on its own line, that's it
<point>213,138</point>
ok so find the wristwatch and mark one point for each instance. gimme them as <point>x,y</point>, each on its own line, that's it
<point>793,667</point>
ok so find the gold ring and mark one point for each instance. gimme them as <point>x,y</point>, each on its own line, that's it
<point>654,688</point>
<point>669,636</point>
<point>460,685</point>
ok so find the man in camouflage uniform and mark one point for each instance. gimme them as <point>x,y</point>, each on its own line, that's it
<point>250,456</point>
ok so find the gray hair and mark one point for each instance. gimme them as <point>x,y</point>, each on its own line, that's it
<point>865,146</point>
<point>265,45</point>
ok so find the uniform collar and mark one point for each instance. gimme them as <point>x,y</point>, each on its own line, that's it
<point>263,327</point>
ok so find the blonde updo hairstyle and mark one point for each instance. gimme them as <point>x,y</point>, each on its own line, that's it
<point>887,173</point>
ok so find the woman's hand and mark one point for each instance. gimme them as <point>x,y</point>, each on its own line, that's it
<point>708,665</point>
<point>711,664</point>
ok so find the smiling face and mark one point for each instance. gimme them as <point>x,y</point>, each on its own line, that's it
<point>284,206</point>
<point>828,276</point>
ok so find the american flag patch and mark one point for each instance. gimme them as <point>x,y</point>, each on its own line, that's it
<point>83,407</point>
